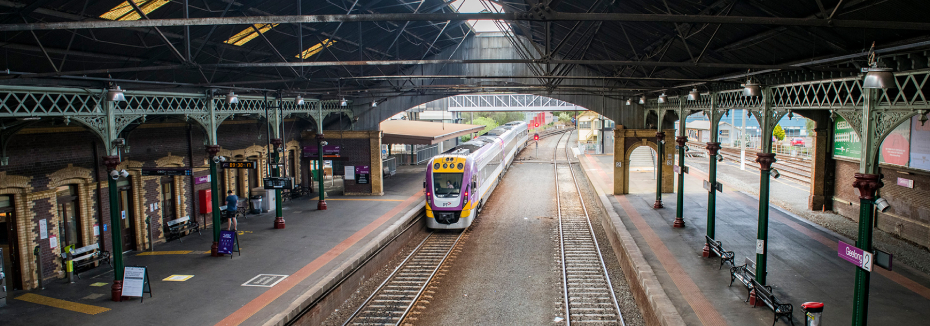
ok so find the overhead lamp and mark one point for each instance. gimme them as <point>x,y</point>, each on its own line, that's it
<point>923,117</point>
<point>694,95</point>
<point>663,98</point>
<point>774,173</point>
<point>882,205</point>
<point>115,94</point>
<point>752,88</point>
<point>877,77</point>
<point>642,99</point>
<point>344,102</point>
<point>374,104</point>
<point>232,98</point>
<point>629,101</point>
<point>299,100</point>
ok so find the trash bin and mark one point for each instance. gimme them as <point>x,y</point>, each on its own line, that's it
<point>812,311</point>
<point>256,204</point>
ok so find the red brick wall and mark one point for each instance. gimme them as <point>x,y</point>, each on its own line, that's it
<point>909,214</point>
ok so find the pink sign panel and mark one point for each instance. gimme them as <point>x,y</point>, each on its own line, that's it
<point>855,255</point>
<point>906,182</point>
<point>203,179</point>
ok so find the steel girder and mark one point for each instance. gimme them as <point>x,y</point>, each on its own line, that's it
<point>107,120</point>
<point>521,102</point>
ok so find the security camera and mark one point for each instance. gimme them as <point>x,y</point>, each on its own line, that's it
<point>719,158</point>
<point>124,174</point>
<point>216,159</point>
<point>222,158</point>
<point>775,174</point>
<point>324,143</point>
<point>114,174</point>
<point>280,149</point>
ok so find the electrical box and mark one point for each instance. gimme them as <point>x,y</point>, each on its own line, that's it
<point>205,199</point>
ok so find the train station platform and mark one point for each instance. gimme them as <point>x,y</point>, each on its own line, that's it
<point>189,287</point>
<point>802,266</point>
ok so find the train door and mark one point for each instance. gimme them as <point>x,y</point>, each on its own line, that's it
<point>126,215</point>
<point>167,201</point>
<point>8,243</point>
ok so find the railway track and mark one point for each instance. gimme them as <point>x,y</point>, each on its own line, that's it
<point>588,293</point>
<point>790,168</point>
<point>391,301</point>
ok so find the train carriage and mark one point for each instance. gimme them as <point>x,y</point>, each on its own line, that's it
<point>459,182</point>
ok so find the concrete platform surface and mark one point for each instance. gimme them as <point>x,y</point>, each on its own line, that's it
<point>803,262</point>
<point>311,246</point>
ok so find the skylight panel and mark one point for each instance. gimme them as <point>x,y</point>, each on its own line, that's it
<point>248,34</point>
<point>313,50</point>
<point>476,6</point>
<point>125,11</point>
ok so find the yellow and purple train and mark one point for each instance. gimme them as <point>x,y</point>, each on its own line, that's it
<point>459,182</point>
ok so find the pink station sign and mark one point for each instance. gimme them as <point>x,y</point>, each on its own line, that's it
<point>854,255</point>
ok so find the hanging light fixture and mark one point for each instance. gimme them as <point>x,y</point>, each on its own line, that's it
<point>642,100</point>
<point>115,94</point>
<point>232,98</point>
<point>752,88</point>
<point>694,95</point>
<point>344,103</point>
<point>663,98</point>
<point>629,101</point>
<point>299,100</point>
<point>877,77</point>
<point>374,104</point>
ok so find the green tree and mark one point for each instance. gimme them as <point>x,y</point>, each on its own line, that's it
<point>465,138</point>
<point>488,123</point>
<point>564,117</point>
<point>779,133</point>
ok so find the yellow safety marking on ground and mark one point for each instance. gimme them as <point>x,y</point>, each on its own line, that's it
<point>359,199</point>
<point>243,232</point>
<point>99,284</point>
<point>157,253</point>
<point>178,278</point>
<point>62,304</point>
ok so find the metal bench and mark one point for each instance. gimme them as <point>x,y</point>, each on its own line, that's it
<point>717,248</point>
<point>86,256</point>
<point>744,273</point>
<point>175,229</point>
<point>764,293</point>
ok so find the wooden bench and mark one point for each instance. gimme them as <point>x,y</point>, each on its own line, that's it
<point>175,229</point>
<point>717,248</point>
<point>86,256</point>
<point>764,293</point>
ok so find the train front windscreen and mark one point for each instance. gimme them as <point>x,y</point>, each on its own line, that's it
<point>447,185</point>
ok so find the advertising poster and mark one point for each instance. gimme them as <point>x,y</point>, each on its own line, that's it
<point>133,281</point>
<point>845,140</point>
<point>896,147</point>
<point>227,241</point>
<point>920,145</point>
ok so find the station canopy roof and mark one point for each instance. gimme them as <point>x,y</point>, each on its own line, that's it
<point>422,132</point>
<point>359,46</point>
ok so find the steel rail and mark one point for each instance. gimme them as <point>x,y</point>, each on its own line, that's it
<point>558,205</point>
<point>590,229</point>
<point>442,17</point>
<point>416,252</point>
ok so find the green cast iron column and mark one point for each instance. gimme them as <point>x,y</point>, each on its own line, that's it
<point>276,172</point>
<point>682,140</point>
<point>215,199</point>
<point>868,181</point>
<point>115,230</point>
<point>660,159</point>
<point>712,149</point>
<point>762,234</point>
<point>321,205</point>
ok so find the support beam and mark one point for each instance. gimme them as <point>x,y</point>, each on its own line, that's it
<point>713,146</point>
<point>660,154</point>
<point>682,139</point>
<point>768,118</point>
<point>439,17</point>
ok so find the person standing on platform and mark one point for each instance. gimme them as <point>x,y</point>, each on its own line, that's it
<point>232,202</point>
